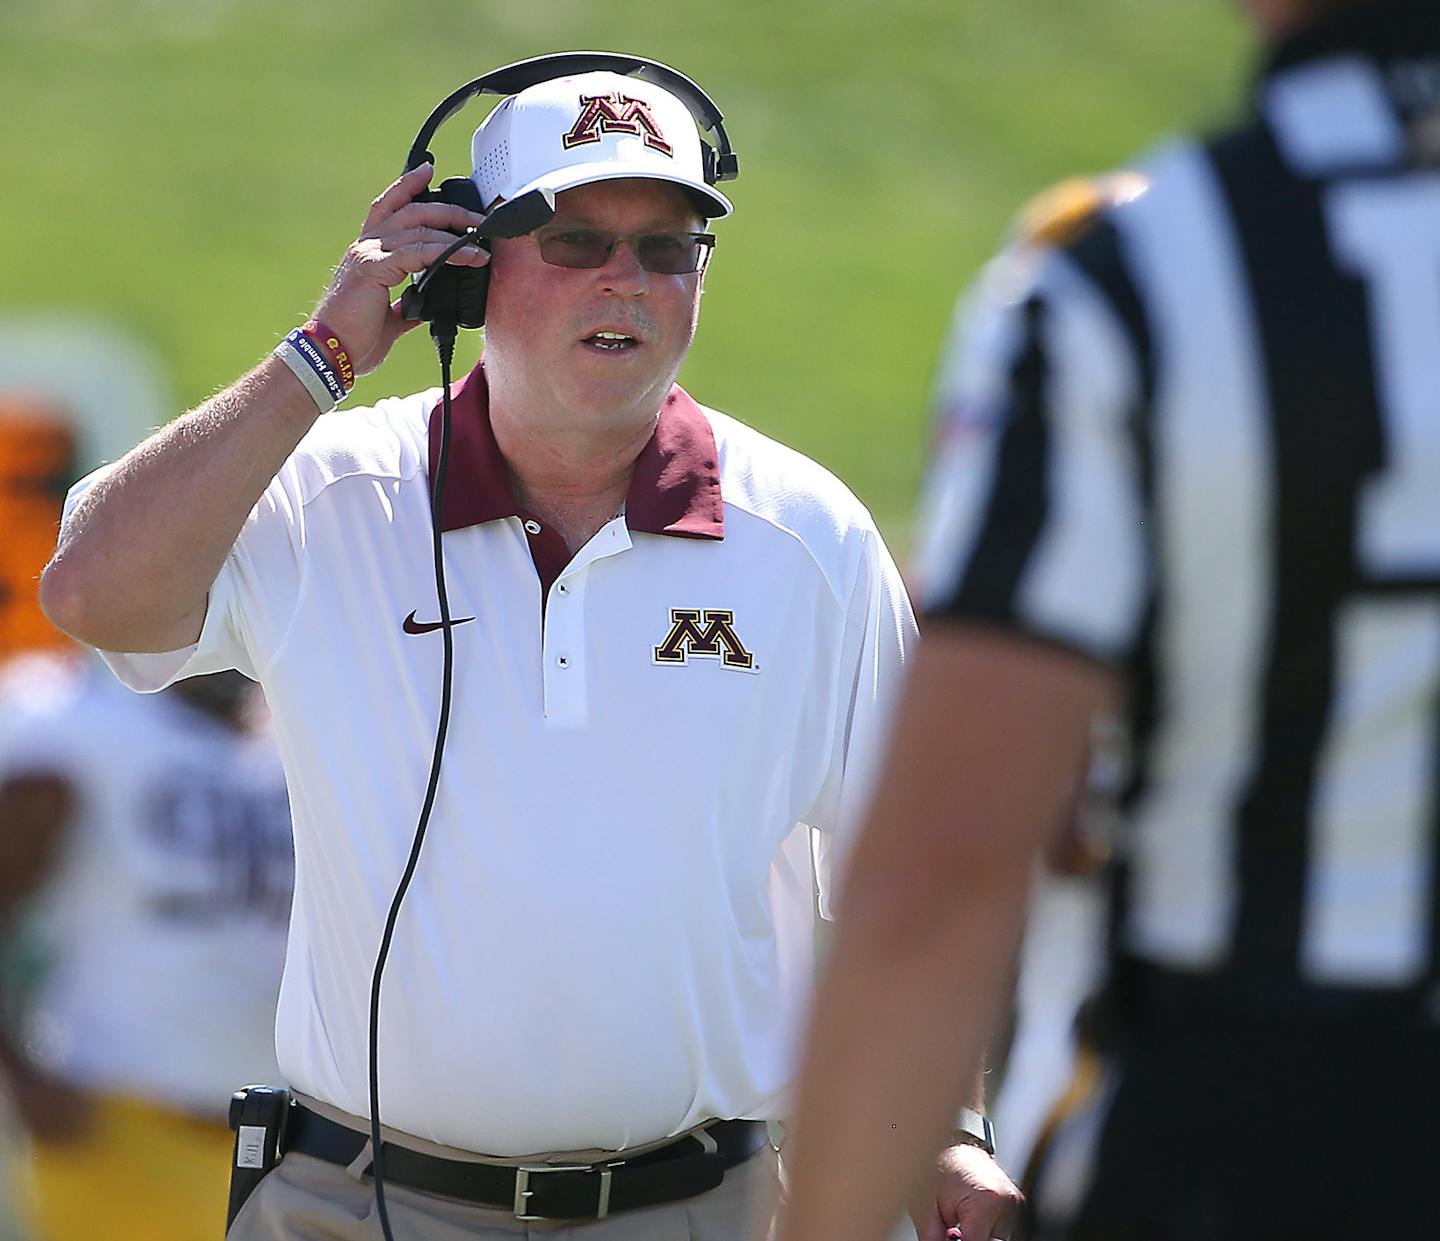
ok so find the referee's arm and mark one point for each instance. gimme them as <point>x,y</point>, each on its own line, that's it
<point>1036,574</point>
<point>993,733</point>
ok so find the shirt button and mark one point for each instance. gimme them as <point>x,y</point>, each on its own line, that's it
<point>563,661</point>
<point>563,589</point>
<point>532,526</point>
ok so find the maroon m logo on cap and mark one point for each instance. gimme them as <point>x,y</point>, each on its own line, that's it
<point>615,113</point>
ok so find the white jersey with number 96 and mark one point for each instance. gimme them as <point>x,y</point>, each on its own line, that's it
<point>162,927</point>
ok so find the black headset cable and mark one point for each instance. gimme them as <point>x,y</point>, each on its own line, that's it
<point>444,336</point>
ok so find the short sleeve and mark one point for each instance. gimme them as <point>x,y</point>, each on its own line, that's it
<point>880,632</point>
<point>251,602</point>
<point>1033,513</point>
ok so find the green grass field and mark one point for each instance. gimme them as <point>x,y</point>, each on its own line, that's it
<point>193,168</point>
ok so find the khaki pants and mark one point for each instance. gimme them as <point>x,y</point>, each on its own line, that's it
<point>306,1199</point>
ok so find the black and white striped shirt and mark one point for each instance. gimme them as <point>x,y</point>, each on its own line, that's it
<point>1202,443</point>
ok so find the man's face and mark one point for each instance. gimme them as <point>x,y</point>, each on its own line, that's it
<point>542,321</point>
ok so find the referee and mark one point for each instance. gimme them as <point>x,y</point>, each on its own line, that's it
<point>1192,467</point>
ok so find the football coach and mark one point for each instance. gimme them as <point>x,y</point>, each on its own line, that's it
<point>673,641</point>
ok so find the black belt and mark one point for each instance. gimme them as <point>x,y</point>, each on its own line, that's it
<point>682,1169</point>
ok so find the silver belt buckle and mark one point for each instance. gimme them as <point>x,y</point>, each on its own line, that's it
<point>523,1191</point>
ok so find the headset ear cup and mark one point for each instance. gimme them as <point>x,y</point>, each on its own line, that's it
<point>453,294</point>
<point>471,295</point>
<point>463,193</point>
<point>456,295</point>
<point>471,284</point>
<point>412,304</point>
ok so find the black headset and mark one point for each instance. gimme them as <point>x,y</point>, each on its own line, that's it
<point>449,297</point>
<point>457,295</point>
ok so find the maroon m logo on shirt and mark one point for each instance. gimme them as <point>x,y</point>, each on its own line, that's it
<point>716,638</point>
<point>615,113</point>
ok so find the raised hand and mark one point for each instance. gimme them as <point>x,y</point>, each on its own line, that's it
<point>399,238</point>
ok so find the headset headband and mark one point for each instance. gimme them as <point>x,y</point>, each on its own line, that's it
<point>721,162</point>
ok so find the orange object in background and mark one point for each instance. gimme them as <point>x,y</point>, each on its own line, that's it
<point>37,464</point>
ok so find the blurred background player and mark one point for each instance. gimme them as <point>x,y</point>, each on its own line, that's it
<point>38,462</point>
<point>146,868</point>
<point>1202,467</point>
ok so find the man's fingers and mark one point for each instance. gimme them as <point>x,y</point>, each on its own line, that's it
<point>982,1220</point>
<point>420,254</point>
<point>471,255</point>
<point>375,261</point>
<point>929,1226</point>
<point>432,215</point>
<point>397,195</point>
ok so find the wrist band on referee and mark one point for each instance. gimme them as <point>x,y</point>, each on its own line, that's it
<point>974,1129</point>
<point>304,357</point>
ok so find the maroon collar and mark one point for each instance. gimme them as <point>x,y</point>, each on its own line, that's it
<point>675,489</point>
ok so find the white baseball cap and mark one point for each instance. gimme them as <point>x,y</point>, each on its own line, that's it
<point>589,127</point>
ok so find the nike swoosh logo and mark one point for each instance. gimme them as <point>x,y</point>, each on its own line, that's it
<point>411,625</point>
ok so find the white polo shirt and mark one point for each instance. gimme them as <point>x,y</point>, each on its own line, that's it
<point>608,938</point>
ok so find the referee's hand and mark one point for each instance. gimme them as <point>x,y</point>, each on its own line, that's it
<point>973,1201</point>
<point>399,238</point>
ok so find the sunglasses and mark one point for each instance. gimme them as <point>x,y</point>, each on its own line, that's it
<point>668,254</point>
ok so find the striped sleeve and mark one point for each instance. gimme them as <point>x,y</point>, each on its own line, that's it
<point>1033,515</point>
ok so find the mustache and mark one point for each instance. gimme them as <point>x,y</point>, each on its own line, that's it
<point>611,320</point>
